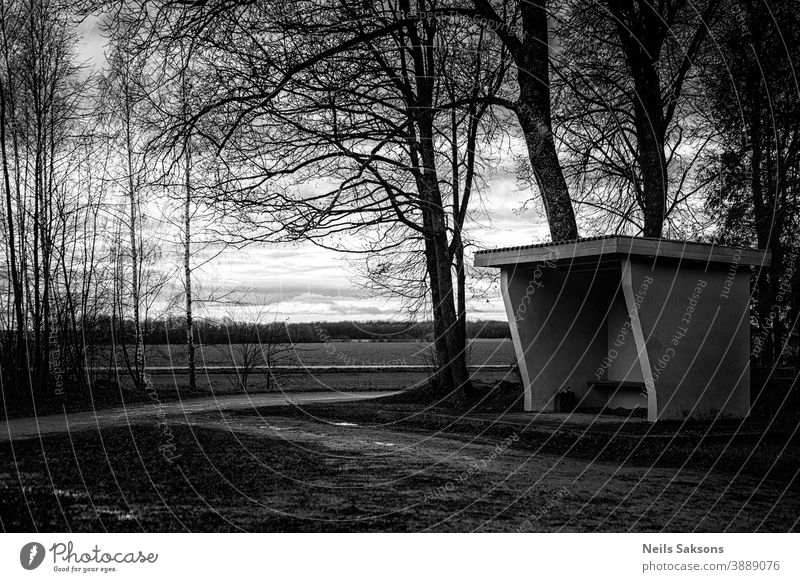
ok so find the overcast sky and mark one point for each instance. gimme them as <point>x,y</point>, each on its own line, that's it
<point>307,283</point>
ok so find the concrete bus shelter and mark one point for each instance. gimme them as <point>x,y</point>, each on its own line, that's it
<point>626,322</point>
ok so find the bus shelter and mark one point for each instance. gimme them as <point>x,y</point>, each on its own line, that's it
<point>625,322</point>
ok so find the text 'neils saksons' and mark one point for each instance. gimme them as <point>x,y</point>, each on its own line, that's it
<point>681,549</point>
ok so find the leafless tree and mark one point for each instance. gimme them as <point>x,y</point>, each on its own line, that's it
<point>626,74</point>
<point>523,28</point>
<point>261,342</point>
<point>40,99</point>
<point>374,125</point>
<point>124,103</point>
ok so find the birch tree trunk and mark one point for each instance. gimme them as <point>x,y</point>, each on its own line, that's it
<point>139,360</point>
<point>187,268</point>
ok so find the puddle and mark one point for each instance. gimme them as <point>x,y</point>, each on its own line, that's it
<point>118,514</point>
<point>343,424</point>
<point>292,432</point>
<point>68,494</point>
<point>380,444</point>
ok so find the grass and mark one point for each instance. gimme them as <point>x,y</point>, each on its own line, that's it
<point>774,455</point>
<point>121,391</point>
<point>221,482</point>
<point>285,473</point>
<point>399,465</point>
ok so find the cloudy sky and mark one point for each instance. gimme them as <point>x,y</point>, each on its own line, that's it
<point>306,283</point>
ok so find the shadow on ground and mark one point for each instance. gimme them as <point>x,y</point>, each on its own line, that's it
<point>289,471</point>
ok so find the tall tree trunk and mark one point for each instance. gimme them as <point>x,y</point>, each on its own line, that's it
<point>138,375</point>
<point>439,325</point>
<point>37,272</point>
<point>531,54</point>
<point>49,297</point>
<point>534,114</point>
<point>187,270</point>
<point>438,258</point>
<point>766,236</point>
<point>457,245</point>
<point>440,265</point>
<point>546,168</point>
<point>641,29</point>
<point>649,122</point>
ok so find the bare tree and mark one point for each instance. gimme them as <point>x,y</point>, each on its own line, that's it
<point>372,124</point>
<point>123,101</point>
<point>9,29</point>
<point>187,236</point>
<point>40,103</point>
<point>530,49</point>
<point>257,340</point>
<point>622,74</point>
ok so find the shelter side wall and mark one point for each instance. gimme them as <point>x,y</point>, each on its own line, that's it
<point>622,352</point>
<point>695,323</point>
<point>622,360</point>
<point>560,336</point>
<point>512,305</point>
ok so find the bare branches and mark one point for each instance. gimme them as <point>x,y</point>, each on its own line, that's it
<point>620,82</point>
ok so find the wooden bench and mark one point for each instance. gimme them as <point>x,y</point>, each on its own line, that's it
<point>611,388</point>
<point>614,386</point>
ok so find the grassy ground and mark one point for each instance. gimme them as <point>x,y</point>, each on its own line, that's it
<point>117,391</point>
<point>400,465</point>
<point>725,446</point>
<point>315,469</point>
<point>171,387</point>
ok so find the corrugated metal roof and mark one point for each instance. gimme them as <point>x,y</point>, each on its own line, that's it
<point>608,236</point>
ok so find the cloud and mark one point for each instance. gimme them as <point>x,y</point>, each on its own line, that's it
<point>307,283</point>
<point>92,43</point>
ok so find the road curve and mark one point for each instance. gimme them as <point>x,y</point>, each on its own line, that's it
<point>31,427</point>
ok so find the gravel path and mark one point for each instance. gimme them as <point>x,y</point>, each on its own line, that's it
<point>22,428</point>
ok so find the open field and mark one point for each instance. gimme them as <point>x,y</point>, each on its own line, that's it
<point>301,367</point>
<point>382,366</point>
<point>314,469</point>
<point>366,354</point>
<point>173,385</point>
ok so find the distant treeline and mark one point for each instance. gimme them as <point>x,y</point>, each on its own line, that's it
<point>218,331</point>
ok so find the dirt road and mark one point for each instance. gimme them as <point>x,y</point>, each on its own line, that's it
<point>21,428</point>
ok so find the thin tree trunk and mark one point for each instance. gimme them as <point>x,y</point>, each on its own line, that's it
<point>37,295</point>
<point>16,285</point>
<point>458,244</point>
<point>187,270</point>
<point>138,374</point>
